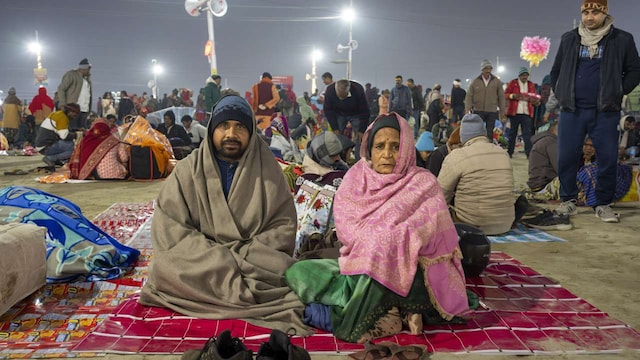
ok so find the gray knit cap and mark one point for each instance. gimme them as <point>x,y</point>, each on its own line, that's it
<point>232,107</point>
<point>485,64</point>
<point>472,126</point>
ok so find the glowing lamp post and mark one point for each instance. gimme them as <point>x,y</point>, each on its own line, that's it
<point>211,7</point>
<point>157,70</point>
<point>36,48</point>
<point>315,55</point>
<point>349,15</point>
<point>39,73</point>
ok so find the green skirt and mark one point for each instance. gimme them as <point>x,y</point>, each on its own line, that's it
<point>356,301</point>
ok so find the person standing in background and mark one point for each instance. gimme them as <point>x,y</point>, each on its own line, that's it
<point>596,65</point>
<point>485,96</point>
<point>416,98</point>
<point>265,98</point>
<point>12,112</point>
<point>76,88</point>
<point>458,94</point>
<point>400,99</point>
<point>521,96</point>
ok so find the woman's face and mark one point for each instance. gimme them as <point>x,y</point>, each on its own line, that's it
<point>587,149</point>
<point>385,149</point>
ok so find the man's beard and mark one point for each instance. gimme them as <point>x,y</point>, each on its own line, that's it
<point>231,154</point>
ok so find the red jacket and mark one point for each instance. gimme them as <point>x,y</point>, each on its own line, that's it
<point>514,88</point>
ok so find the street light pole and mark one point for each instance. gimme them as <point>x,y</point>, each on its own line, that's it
<point>155,78</point>
<point>314,56</point>
<point>212,55</point>
<point>211,7</point>
<point>350,49</point>
<point>348,15</point>
<point>38,57</point>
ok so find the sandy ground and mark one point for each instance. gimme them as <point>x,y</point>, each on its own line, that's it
<point>600,262</point>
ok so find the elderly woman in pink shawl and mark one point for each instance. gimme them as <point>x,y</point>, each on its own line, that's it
<point>399,266</point>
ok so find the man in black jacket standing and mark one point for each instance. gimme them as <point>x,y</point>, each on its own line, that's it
<point>595,66</point>
<point>345,102</point>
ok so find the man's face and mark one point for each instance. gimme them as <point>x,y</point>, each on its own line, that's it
<point>487,71</point>
<point>218,81</point>
<point>186,124</point>
<point>326,80</point>
<point>85,72</point>
<point>342,91</point>
<point>385,149</point>
<point>410,84</point>
<point>629,125</point>
<point>524,77</point>
<point>593,19</point>
<point>167,121</point>
<point>398,81</point>
<point>230,140</point>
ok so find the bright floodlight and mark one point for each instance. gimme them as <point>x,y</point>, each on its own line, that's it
<point>348,15</point>
<point>157,69</point>
<point>316,54</point>
<point>501,69</point>
<point>35,47</point>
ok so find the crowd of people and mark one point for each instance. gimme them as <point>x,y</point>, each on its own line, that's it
<point>397,169</point>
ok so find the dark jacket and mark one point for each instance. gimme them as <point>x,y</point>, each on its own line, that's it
<point>434,162</point>
<point>457,97</point>
<point>353,106</point>
<point>543,160</point>
<point>619,70</point>
<point>175,131</point>
<point>211,95</point>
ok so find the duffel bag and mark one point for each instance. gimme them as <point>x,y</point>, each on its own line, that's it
<point>143,164</point>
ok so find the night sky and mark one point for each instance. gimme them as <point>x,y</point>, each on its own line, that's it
<point>430,41</point>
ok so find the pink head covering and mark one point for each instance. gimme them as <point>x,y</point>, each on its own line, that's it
<point>388,222</point>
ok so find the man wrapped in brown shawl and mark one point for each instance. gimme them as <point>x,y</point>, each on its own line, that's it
<point>220,258</point>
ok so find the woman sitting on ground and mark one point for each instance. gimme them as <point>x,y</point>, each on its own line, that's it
<point>99,155</point>
<point>399,265</point>
<point>586,180</point>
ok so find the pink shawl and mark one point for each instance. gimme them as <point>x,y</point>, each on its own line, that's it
<point>390,223</point>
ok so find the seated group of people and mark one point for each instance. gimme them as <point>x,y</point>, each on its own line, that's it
<point>102,153</point>
<point>223,245</point>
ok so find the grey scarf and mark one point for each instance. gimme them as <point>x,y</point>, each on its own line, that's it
<point>591,38</point>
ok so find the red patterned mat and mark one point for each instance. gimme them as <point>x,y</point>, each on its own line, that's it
<point>55,318</point>
<point>522,312</point>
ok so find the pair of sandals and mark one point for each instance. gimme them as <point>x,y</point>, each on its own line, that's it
<point>225,347</point>
<point>391,351</point>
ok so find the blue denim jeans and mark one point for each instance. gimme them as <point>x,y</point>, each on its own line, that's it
<point>602,129</point>
<point>60,150</point>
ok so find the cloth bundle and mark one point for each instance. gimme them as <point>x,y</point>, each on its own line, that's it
<point>22,262</point>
